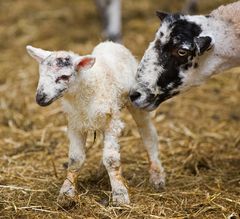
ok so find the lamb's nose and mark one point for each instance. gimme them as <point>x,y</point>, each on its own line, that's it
<point>134,95</point>
<point>40,98</point>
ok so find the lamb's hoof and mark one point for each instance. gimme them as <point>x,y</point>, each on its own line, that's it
<point>67,196</point>
<point>157,179</point>
<point>66,202</point>
<point>120,197</point>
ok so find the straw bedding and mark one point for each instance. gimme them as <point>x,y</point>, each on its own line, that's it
<point>199,132</point>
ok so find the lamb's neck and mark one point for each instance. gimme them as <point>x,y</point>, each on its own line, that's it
<point>81,91</point>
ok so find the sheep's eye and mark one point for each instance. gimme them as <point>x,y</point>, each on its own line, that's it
<point>182,52</point>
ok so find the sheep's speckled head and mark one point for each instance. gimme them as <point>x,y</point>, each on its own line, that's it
<point>57,70</point>
<point>168,65</point>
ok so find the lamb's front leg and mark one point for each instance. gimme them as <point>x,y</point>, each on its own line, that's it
<point>150,140</point>
<point>76,159</point>
<point>111,160</point>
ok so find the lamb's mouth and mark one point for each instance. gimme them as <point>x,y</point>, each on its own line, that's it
<point>47,103</point>
<point>43,102</point>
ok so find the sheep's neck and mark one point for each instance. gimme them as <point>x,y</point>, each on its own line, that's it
<point>228,33</point>
<point>229,14</point>
<point>226,51</point>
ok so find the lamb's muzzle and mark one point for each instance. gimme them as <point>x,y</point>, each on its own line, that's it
<point>40,99</point>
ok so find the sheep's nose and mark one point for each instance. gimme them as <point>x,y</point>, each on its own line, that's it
<point>40,98</point>
<point>134,95</point>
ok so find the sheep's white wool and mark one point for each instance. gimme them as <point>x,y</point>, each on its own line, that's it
<point>226,50</point>
<point>229,13</point>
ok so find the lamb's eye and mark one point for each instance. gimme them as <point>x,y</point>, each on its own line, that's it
<point>182,52</point>
<point>63,78</point>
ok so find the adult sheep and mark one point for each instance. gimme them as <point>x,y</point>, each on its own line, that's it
<point>186,52</point>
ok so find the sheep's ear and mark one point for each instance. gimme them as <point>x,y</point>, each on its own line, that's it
<point>38,54</point>
<point>161,15</point>
<point>84,62</point>
<point>203,44</point>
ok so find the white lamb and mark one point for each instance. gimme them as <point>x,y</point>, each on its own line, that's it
<point>94,89</point>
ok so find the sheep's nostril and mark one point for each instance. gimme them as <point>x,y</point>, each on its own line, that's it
<point>134,95</point>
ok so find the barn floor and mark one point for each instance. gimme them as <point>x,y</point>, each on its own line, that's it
<point>199,132</point>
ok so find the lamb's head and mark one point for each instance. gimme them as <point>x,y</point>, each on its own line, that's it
<point>170,64</point>
<point>58,71</point>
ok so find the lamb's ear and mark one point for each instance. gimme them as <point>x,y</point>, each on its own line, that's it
<point>161,15</point>
<point>38,54</point>
<point>203,44</point>
<point>84,62</point>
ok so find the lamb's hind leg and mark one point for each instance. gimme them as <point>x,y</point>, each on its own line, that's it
<point>76,159</point>
<point>111,160</point>
<point>150,140</point>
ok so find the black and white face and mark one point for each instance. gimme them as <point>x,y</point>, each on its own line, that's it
<point>171,61</point>
<point>57,70</point>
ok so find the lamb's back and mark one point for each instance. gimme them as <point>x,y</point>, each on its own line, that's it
<point>119,60</point>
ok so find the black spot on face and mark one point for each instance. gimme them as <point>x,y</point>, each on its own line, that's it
<point>63,62</point>
<point>182,34</point>
<point>195,65</point>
